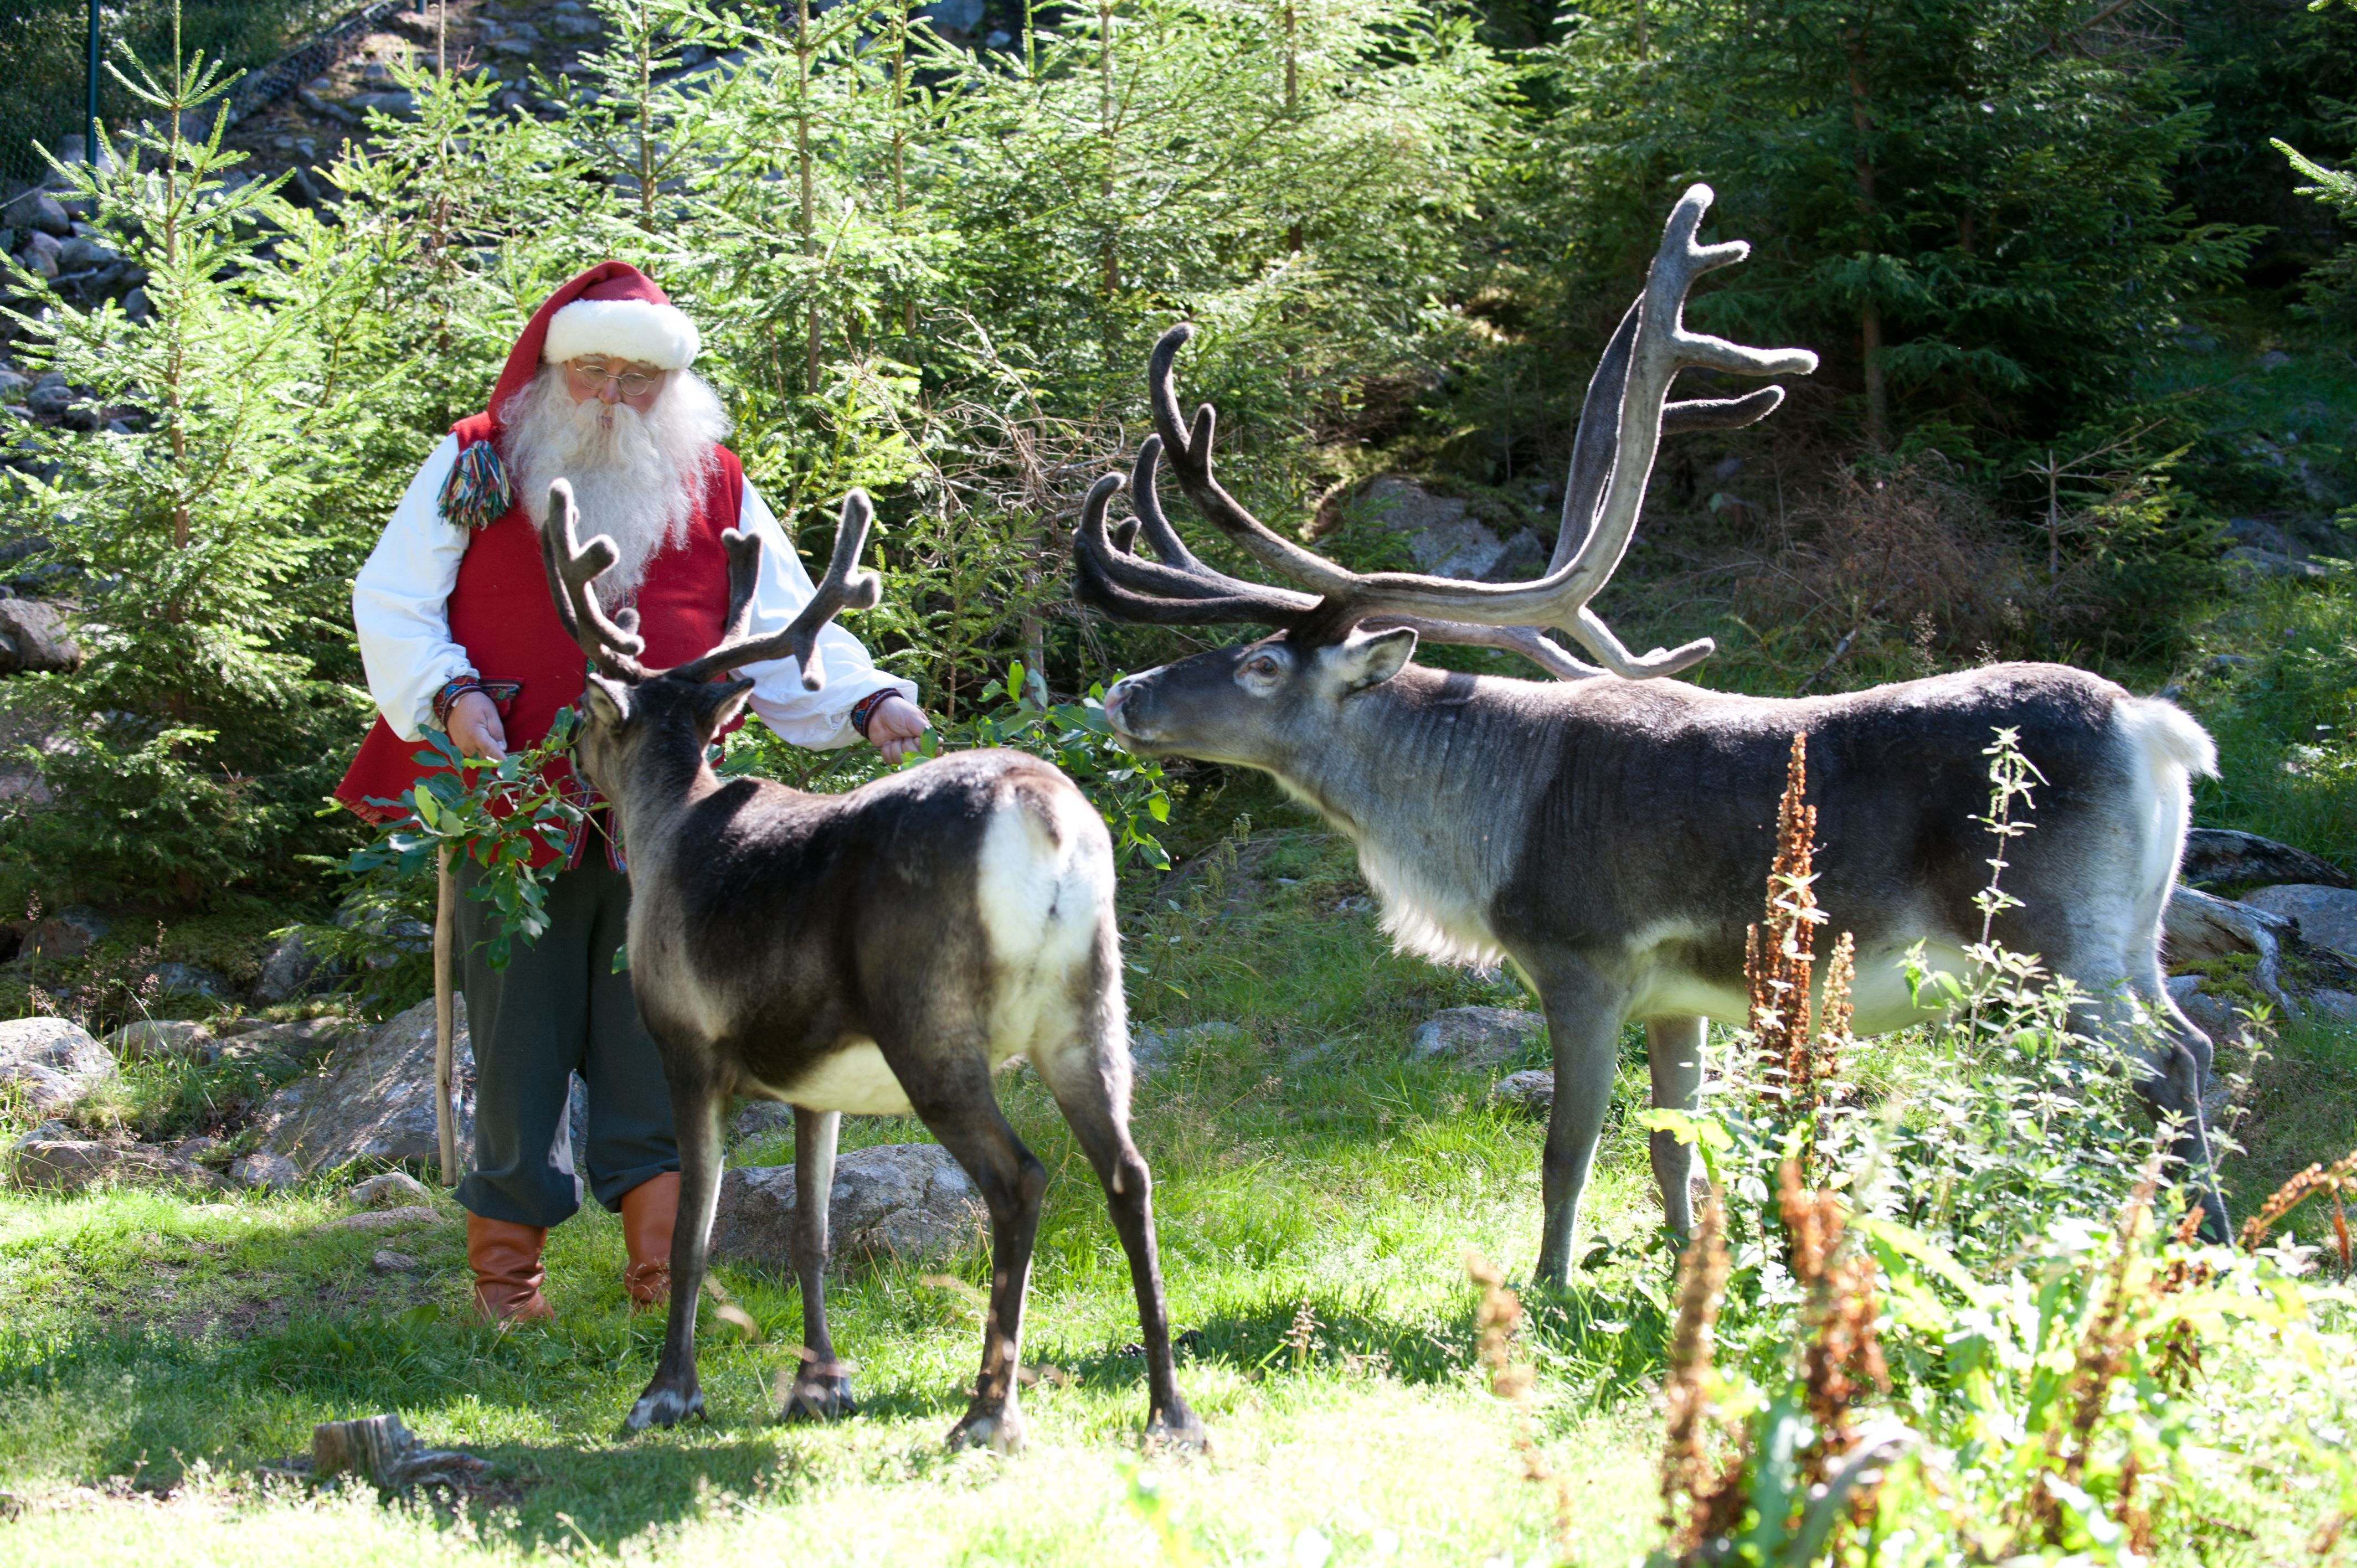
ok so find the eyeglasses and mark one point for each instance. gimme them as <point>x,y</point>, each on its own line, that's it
<point>634,383</point>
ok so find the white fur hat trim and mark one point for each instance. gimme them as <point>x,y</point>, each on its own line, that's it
<point>660,335</point>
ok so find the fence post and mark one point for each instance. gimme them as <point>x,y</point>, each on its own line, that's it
<point>89,127</point>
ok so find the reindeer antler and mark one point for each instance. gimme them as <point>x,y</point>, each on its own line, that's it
<point>844,586</point>
<point>574,568</point>
<point>1601,504</point>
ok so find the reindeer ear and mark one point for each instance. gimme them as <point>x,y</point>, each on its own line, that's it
<point>608,700</point>
<point>717,703</point>
<point>1371,661</point>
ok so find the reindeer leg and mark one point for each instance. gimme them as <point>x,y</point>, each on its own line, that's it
<point>1090,1079</point>
<point>951,1094</point>
<point>696,1101</point>
<point>822,1389</point>
<point>1583,1014</point>
<point>1673,1048</point>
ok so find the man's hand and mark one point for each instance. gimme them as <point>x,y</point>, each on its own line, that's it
<point>893,728</point>
<point>475,727</point>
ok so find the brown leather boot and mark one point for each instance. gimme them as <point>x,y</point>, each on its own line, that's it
<point>505,1257</point>
<point>648,1211</point>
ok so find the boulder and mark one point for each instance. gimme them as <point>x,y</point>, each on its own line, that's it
<point>163,1039</point>
<point>1527,1093</point>
<point>2249,561</point>
<point>266,1172</point>
<point>53,1062</point>
<point>400,1218</point>
<point>953,16</point>
<point>175,978</point>
<point>199,1149</point>
<point>2220,857</point>
<point>1155,1051</point>
<point>2213,1015</point>
<point>33,635</point>
<point>39,255</point>
<point>761,1119</point>
<point>1476,1037</point>
<point>2327,916</point>
<point>70,1164</point>
<point>291,970</point>
<point>372,1099</point>
<point>385,1261</point>
<point>908,1202</point>
<point>389,1190</point>
<point>68,933</point>
<point>399,104</point>
<point>1442,536</point>
<point>38,210</point>
<point>80,254</point>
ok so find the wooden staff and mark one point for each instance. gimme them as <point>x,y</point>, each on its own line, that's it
<point>446,1116</point>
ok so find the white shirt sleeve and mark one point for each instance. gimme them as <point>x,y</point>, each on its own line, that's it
<point>401,601</point>
<point>819,720</point>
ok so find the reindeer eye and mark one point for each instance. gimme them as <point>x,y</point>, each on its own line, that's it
<point>1261,664</point>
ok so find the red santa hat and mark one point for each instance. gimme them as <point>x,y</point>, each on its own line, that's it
<point>613,309</point>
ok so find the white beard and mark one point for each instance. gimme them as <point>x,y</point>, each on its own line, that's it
<point>636,479</point>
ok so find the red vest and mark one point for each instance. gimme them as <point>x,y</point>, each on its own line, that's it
<point>501,614</point>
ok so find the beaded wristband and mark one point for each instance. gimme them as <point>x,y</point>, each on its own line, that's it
<point>865,709</point>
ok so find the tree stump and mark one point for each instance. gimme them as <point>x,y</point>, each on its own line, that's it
<point>381,1449</point>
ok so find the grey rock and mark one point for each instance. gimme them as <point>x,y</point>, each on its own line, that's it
<point>308,96</point>
<point>72,931</point>
<point>136,305</point>
<point>1153,1050</point>
<point>372,1099</point>
<point>573,25</point>
<point>53,1062</point>
<point>388,1190</point>
<point>49,396</point>
<point>908,1202</point>
<point>954,16</point>
<point>2198,926</point>
<point>199,1149</point>
<point>266,1172</point>
<point>400,1218</point>
<point>2337,1007</point>
<point>1442,536</point>
<point>2327,916</point>
<point>34,637</point>
<point>40,211</point>
<point>2250,562</point>
<point>176,979</point>
<point>13,386</point>
<point>70,1164</point>
<point>513,47</point>
<point>1476,1037</point>
<point>2213,1015</point>
<point>2220,857</point>
<point>78,253</point>
<point>1000,38</point>
<point>163,1039</point>
<point>761,1119</point>
<point>400,105</point>
<point>1523,560</point>
<point>385,1261</point>
<point>2274,360</point>
<point>39,255</point>
<point>1530,1092</point>
<point>288,972</point>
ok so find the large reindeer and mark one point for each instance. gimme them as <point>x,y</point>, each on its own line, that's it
<point>880,953</point>
<point>1609,830</point>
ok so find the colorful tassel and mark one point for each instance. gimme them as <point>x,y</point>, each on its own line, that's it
<point>475,493</point>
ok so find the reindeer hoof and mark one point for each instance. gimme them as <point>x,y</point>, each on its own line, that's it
<point>1001,1432</point>
<point>819,1399</point>
<point>664,1407</point>
<point>1175,1430</point>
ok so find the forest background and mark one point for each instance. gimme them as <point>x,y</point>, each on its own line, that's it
<point>2084,317</point>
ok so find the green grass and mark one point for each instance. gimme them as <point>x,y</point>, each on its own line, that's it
<point>1315,1192</point>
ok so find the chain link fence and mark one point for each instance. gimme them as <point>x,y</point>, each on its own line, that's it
<point>44,54</point>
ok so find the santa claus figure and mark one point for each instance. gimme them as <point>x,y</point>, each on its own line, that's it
<point>458,633</point>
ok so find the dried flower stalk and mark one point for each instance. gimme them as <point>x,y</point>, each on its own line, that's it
<point>1702,1496</point>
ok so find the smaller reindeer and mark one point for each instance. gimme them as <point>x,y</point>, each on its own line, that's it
<point>881,952</point>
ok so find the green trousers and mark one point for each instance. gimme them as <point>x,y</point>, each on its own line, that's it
<point>557,1009</point>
